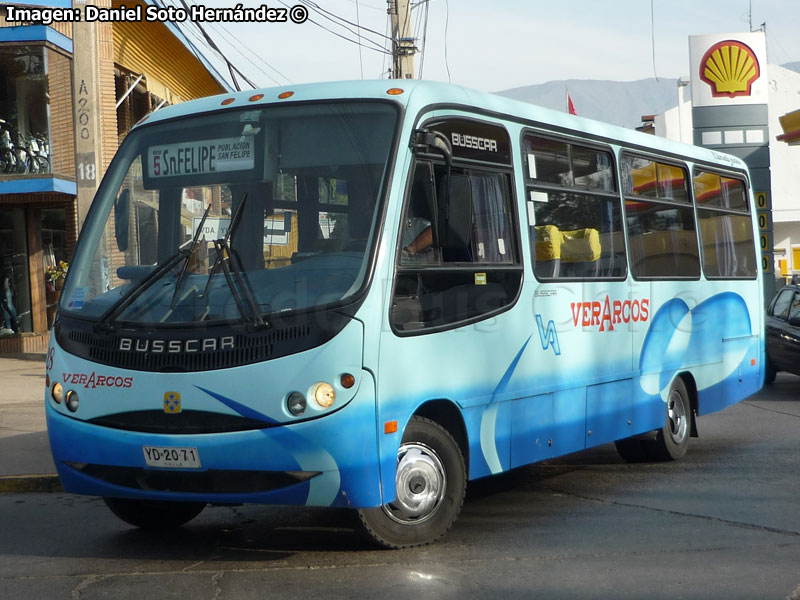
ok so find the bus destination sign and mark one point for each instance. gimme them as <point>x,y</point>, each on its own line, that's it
<point>201,157</point>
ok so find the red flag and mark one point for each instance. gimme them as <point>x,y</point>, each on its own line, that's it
<point>571,105</point>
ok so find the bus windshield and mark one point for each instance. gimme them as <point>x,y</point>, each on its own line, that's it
<point>235,215</point>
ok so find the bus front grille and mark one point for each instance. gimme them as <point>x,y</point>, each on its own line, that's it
<point>187,422</point>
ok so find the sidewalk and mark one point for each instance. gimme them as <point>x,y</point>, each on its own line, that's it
<point>26,464</point>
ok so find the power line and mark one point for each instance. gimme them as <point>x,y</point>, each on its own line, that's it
<point>360,58</point>
<point>310,20</point>
<point>212,43</point>
<point>325,16</point>
<point>245,51</point>
<point>321,10</point>
<point>370,6</point>
<point>446,24</point>
<point>384,70</point>
<point>424,40</point>
<point>653,36</point>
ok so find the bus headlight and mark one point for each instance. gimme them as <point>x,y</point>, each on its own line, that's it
<point>72,400</point>
<point>57,393</point>
<point>296,403</point>
<point>324,394</point>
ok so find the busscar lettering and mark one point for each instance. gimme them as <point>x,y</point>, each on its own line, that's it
<point>161,346</point>
<point>607,313</point>
<point>473,142</point>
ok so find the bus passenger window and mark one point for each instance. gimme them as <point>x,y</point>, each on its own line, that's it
<point>574,211</point>
<point>661,227</point>
<point>726,232</point>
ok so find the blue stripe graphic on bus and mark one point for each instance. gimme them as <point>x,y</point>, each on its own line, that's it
<point>240,408</point>
<point>489,419</point>
<point>717,330</point>
<point>324,488</point>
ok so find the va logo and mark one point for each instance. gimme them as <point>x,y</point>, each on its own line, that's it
<point>172,403</point>
<point>548,337</point>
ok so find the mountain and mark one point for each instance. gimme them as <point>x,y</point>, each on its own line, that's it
<point>792,66</point>
<point>617,102</point>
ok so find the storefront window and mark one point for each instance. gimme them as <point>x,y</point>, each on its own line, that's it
<point>15,298</point>
<point>54,245</point>
<point>24,125</point>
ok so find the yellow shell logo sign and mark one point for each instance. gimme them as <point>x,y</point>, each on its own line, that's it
<point>730,68</point>
<point>172,403</point>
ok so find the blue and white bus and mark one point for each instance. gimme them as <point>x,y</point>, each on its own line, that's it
<point>356,295</point>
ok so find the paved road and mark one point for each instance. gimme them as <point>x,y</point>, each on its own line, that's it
<point>722,523</point>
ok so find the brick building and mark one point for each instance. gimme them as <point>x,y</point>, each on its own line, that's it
<point>140,67</point>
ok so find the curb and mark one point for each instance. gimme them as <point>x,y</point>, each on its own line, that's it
<point>34,356</point>
<point>19,484</point>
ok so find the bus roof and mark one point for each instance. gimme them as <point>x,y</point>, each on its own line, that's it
<point>418,95</point>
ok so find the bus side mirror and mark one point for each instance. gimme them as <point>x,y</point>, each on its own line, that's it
<point>122,219</point>
<point>455,212</point>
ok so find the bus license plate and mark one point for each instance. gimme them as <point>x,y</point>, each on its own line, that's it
<point>171,457</point>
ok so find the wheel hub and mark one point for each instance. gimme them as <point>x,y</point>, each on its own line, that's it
<point>420,482</point>
<point>676,416</point>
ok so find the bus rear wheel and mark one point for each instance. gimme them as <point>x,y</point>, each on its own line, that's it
<point>154,514</point>
<point>431,482</point>
<point>672,439</point>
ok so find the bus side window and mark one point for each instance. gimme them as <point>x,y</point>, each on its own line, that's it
<point>574,214</point>
<point>457,278</point>
<point>417,243</point>
<point>726,232</point>
<point>661,227</point>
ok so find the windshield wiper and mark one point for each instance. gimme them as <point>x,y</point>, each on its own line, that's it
<point>139,288</point>
<point>227,258</point>
<point>192,248</point>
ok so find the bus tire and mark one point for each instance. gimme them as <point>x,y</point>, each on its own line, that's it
<point>154,514</point>
<point>431,482</point>
<point>672,439</point>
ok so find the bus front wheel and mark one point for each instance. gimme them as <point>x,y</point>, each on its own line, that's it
<point>154,514</point>
<point>431,481</point>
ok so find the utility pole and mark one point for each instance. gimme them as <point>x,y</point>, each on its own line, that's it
<point>403,48</point>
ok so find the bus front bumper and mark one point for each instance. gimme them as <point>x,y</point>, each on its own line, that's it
<point>329,461</point>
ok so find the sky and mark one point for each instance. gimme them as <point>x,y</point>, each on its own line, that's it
<point>494,46</point>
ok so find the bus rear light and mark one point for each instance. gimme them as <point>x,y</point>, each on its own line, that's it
<point>323,394</point>
<point>72,400</point>
<point>347,381</point>
<point>296,403</point>
<point>57,393</point>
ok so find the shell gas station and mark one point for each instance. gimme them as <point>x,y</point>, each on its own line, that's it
<point>742,105</point>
